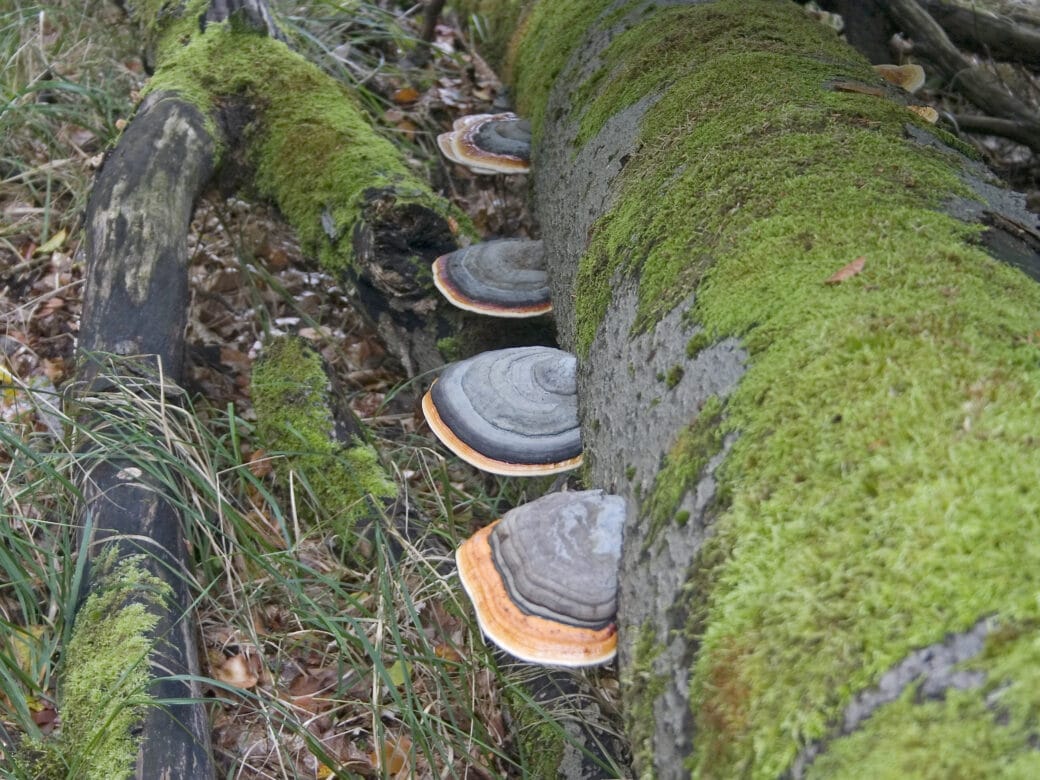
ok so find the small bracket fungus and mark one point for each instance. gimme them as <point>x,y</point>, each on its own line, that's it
<point>505,278</point>
<point>509,411</point>
<point>489,143</point>
<point>908,77</point>
<point>543,578</point>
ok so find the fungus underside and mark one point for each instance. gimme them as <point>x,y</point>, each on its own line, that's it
<point>887,452</point>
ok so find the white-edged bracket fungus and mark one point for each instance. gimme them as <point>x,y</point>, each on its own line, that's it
<point>489,143</point>
<point>504,278</point>
<point>908,77</point>
<point>509,411</point>
<point>543,578</point>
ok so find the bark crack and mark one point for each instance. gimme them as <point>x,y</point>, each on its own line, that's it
<point>932,667</point>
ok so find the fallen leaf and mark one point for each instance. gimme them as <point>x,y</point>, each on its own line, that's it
<point>927,113</point>
<point>395,755</point>
<point>405,95</point>
<point>852,269</point>
<point>235,671</point>
<point>52,243</point>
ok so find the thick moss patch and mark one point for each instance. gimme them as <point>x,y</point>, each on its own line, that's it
<point>724,148</point>
<point>314,149</point>
<point>983,732</point>
<point>291,396</point>
<point>104,694</point>
<point>882,488</point>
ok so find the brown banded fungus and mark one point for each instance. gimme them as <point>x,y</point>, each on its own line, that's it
<point>908,77</point>
<point>509,411</point>
<point>489,143</point>
<point>505,278</point>
<point>543,578</point>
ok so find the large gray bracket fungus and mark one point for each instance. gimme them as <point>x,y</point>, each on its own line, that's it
<point>509,411</point>
<point>543,578</point>
<point>489,143</point>
<point>504,278</point>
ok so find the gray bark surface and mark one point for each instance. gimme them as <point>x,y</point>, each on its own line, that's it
<point>135,308</point>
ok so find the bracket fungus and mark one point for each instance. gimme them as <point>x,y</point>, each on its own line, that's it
<point>908,77</point>
<point>489,143</point>
<point>504,278</point>
<point>509,411</point>
<point>543,578</point>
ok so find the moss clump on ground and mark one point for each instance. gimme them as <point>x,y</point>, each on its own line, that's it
<point>682,468</point>
<point>291,396</point>
<point>882,489</point>
<point>104,695</point>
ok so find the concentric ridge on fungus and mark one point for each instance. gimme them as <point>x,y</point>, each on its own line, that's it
<point>543,579</point>
<point>503,278</point>
<point>510,411</point>
<point>489,143</point>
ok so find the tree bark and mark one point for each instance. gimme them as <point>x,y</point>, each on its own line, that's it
<point>805,462</point>
<point>131,347</point>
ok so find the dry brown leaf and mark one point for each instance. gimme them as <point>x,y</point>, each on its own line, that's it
<point>927,113</point>
<point>850,270</point>
<point>236,671</point>
<point>854,86</point>
<point>405,95</point>
<point>396,752</point>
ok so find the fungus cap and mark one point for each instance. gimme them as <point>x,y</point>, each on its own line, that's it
<point>909,77</point>
<point>543,578</point>
<point>489,143</point>
<point>505,278</point>
<point>509,411</point>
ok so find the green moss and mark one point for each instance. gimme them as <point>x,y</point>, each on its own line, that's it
<point>882,489</point>
<point>641,686</point>
<point>449,348</point>
<point>984,732</point>
<point>630,473</point>
<point>674,376</point>
<point>540,740</point>
<point>700,160</point>
<point>291,396</point>
<point>544,41</point>
<point>104,692</point>
<point>700,340</point>
<point>314,149</point>
<point>682,468</point>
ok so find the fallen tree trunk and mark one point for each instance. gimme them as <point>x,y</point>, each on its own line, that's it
<point>131,351</point>
<point>825,460</point>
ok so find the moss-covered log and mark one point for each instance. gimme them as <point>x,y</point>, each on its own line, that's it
<point>135,310</point>
<point>831,562</point>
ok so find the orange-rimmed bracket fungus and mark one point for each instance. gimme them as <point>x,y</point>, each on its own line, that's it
<point>509,411</point>
<point>489,143</point>
<point>543,578</point>
<point>503,278</point>
<point>908,77</point>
